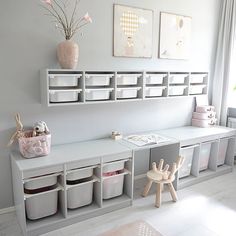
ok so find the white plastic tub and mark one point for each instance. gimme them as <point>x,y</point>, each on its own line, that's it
<point>177,78</point>
<point>154,91</point>
<point>97,79</point>
<point>113,186</point>
<point>42,205</point>
<point>222,151</point>
<point>197,78</point>
<point>40,182</point>
<point>204,116</point>
<point>202,109</point>
<point>177,90</point>
<point>64,95</point>
<point>98,94</point>
<point>205,151</point>
<point>80,195</point>
<point>187,153</point>
<point>64,80</point>
<point>113,166</point>
<point>79,174</point>
<point>127,79</point>
<point>127,92</point>
<point>197,89</point>
<point>155,78</point>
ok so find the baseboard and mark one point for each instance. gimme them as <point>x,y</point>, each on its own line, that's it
<point>7,210</point>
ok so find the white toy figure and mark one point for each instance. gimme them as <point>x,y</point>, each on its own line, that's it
<point>40,128</point>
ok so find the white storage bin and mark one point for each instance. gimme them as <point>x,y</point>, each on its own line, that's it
<point>222,151</point>
<point>64,95</point>
<point>127,92</point>
<point>154,91</point>
<point>196,89</point>
<point>97,79</point>
<point>113,166</point>
<point>40,182</point>
<point>187,153</point>
<point>113,186</point>
<point>80,195</point>
<point>197,78</point>
<point>204,116</point>
<point>80,174</point>
<point>155,78</point>
<point>205,151</point>
<point>127,79</point>
<point>42,205</point>
<point>177,90</point>
<point>177,78</point>
<point>64,80</point>
<point>98,94</point>
<point>205,108</point>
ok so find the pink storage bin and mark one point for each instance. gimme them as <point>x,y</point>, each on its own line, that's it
<point>204,116</point>
<point>34,146</point>
<point>202,109</point>
<point>201,123</point>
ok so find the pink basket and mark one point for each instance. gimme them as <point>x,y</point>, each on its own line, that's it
<point>34,146</point>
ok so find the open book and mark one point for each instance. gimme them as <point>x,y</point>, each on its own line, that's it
<point>146,139</point>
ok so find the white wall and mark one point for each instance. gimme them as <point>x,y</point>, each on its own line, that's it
<point>28,42</point>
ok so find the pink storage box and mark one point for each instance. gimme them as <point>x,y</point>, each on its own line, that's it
<point>201,123</point>
<point>34,146</point>
<point>204,116</point>
<point>202,109</point>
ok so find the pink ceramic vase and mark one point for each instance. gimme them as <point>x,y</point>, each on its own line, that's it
<point>68,54</point>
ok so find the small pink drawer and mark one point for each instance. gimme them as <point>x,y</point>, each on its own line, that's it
<point>204,116</point>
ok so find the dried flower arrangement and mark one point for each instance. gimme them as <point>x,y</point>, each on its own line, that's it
<point>66,21</point>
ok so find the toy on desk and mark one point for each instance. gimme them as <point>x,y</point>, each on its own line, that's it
<point>116,135</point>
<point>33,142</point>
<point>161,176</point>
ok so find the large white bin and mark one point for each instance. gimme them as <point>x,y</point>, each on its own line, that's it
<point>113,186</point>
<point>64,80</point>
<point>127,92</point>
<point>197,78</point>
<point>187,153</point>
<point>197,89</point>
<point>81,194</point>
<point>97,79</point>
<point>205,151</point>
<point>222,151</point>
<point>40,182</point>
<point>127,79</point>
<point>177,78</point>
<point>155,78</point>
<point>98,94</point>
<point>154,91</point>
<point>42,205</point>
<point>177,90</point>
<point>64,95</point>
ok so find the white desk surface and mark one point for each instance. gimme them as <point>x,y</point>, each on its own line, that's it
<point>66,153</point>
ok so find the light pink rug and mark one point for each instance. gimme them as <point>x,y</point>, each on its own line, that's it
<point>137,228</point>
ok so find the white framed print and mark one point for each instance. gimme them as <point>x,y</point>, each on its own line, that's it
<point>133,32</point>
<point>175,36</point>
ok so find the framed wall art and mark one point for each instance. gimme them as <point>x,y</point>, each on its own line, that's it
<point>175,36</point>
<point>132,32</point>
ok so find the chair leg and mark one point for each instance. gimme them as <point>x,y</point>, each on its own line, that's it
<point>172,192</point>
<point>147,188</point>
<point>158,195</point>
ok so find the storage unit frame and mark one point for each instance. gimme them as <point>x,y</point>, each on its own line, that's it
<point>141,84</point>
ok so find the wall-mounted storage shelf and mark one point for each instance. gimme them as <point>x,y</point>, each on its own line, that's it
<point>71,87</point>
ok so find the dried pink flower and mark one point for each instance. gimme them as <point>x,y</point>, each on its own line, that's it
<point>48,2</point>
<point>87,18</point>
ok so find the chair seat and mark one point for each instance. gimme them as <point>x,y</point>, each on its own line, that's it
<point>157,177</point>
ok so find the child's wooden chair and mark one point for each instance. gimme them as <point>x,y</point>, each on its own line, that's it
<point>161,177</point>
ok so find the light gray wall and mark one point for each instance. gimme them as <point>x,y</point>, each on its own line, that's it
<point>28,42</point>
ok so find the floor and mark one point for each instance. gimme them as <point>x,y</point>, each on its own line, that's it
<point>205,209</point>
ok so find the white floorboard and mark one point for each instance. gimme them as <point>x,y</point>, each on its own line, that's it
<point>205,209</point>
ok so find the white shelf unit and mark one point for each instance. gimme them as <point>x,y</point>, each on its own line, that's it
<point>65,216</point>
<point>119,86</point>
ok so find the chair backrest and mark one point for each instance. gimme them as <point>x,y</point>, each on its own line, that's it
<point>176,166</point>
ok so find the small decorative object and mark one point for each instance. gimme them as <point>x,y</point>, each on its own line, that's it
<point>68,25</point>
<point>32,143</point>
<point>116,135</point>
<point>132,32</point>
<point>175,36</point>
